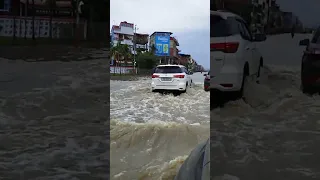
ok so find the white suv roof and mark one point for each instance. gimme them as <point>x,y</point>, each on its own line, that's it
<point>225,14</point>
<point>171,65</point>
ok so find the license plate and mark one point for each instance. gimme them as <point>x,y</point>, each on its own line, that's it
<point>166,79</point>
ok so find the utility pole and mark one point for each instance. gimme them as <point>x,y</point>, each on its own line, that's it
<point>134,46</point>
<point>77,20</point>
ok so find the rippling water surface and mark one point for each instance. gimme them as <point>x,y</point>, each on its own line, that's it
<point>275,133</point>
<point>52,120</point>
<point>152,133</point>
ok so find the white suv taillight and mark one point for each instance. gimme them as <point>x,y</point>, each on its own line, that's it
<point>155,76</point>
<point>179,76</point>
<point>229,47</point>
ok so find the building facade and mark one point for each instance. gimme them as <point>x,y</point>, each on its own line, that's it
<point>125,33</point>
<point>16,19</point>
<point>174,51</point>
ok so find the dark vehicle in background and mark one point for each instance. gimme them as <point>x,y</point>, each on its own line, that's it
<point>206,84</point>
<point>310,66</point>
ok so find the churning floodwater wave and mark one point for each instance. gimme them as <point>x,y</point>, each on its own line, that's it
<point>152,133</point>
<point>52,120</point>
<point>136,103</point>
<point>273,134</point>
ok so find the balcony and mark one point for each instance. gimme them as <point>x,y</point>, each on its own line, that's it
<point>126,41</point>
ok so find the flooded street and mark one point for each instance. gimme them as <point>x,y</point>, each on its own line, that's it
<point>275,134</point>
<point>151,133</point>
<point>53,119</point>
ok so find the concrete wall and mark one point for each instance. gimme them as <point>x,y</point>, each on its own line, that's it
<point>41,26</point>
<point>123,70</point>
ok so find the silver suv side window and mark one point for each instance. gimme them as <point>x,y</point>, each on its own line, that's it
<point>316,37</point>
<point>243,31</point>
<point>233,25</point>
<point>247,30</point>
<point>185,70</point>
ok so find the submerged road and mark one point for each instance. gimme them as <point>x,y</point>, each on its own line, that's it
<point>275,134</point>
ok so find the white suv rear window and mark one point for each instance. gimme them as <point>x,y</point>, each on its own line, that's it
<point>218,26</point>
<point>168,69</point>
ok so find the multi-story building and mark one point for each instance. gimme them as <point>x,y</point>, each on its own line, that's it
<point>141,41</point>
<point>23,10</point>
<point>188,61</point>
<point>166,47</point>
<point>184,59</point>
<point>125,34</point>
<point>174,51</point>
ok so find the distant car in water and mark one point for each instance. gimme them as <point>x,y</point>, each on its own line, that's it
<point>171,77</point>
<point>310,65</point>
<point>206,84</point>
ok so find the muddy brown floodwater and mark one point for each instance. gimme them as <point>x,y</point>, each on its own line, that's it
<point>275,134</point>
<point>53,118</point>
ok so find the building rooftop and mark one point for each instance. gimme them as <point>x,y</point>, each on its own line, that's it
<point>123,23</point>
<point>170,65</point>
<point>138,34</point>
<point>175,40</point>
<point>160,32</point>
<point>184,55</point>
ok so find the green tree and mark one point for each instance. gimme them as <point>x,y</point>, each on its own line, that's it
<point>146,60</point>
<point>152,49</point>
<point>125,53</point>
<point>121,52</point>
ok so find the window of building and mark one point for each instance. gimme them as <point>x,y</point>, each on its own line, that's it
<point>4,5</point>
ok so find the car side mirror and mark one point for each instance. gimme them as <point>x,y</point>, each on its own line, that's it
<point>304,42</point>
<point>259,37</point>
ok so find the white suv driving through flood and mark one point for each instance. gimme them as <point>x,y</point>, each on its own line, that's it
<point>233,52</point>
<point>171,77</point>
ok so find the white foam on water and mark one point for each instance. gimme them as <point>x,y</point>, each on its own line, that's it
<point>274,125</point>
<point>136,102</point>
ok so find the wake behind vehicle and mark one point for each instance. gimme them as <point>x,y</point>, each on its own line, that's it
<point>233,52</point>
<point>310,66</point>
<point>171,77</point>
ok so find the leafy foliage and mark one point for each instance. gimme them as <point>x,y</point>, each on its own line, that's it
<point>146,60</point>
<point>121,52</point>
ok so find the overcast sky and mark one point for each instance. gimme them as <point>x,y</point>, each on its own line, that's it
<point>308,11</point>
<point>188,20</point>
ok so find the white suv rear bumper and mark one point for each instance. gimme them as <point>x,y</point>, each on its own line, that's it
<point>223,81</point>
<point>180,86</point>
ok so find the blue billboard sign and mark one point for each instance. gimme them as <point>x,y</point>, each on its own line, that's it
<point>162,44</point>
